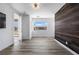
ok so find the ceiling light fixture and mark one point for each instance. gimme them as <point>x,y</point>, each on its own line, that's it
<point>35,5</point>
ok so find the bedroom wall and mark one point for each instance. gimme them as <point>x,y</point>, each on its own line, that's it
<point>44,33</point>
<point>67,26</point>
<point>6,33</point>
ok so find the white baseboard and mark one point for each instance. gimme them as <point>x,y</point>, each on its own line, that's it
<point>42,37</point>
<point>73,52</point>
<point>4,47</point>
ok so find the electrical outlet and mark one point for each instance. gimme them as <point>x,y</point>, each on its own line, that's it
<point>66,42</point>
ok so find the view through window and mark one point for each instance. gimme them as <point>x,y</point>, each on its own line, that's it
<point>40,25</point>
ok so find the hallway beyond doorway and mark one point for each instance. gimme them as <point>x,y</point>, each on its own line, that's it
<point>36,46</point>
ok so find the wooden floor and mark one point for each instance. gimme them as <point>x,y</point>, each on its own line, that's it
<point>36,46</point>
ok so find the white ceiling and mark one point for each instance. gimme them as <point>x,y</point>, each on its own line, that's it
<point>46,9</point>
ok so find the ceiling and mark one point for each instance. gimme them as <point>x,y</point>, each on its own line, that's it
<point>45,10</point>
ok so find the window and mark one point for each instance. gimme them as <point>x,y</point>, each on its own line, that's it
<point>40,25</point>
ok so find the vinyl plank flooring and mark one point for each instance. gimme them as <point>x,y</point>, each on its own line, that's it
<point>36,46</point>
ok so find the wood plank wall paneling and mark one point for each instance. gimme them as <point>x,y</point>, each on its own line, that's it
<point>67,25</point>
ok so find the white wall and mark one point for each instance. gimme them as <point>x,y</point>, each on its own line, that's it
<point>6,33</point>
<point>45,33</point>
<point>25,26</point>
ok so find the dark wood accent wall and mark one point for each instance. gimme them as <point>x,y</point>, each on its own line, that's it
<point>67,25</point>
